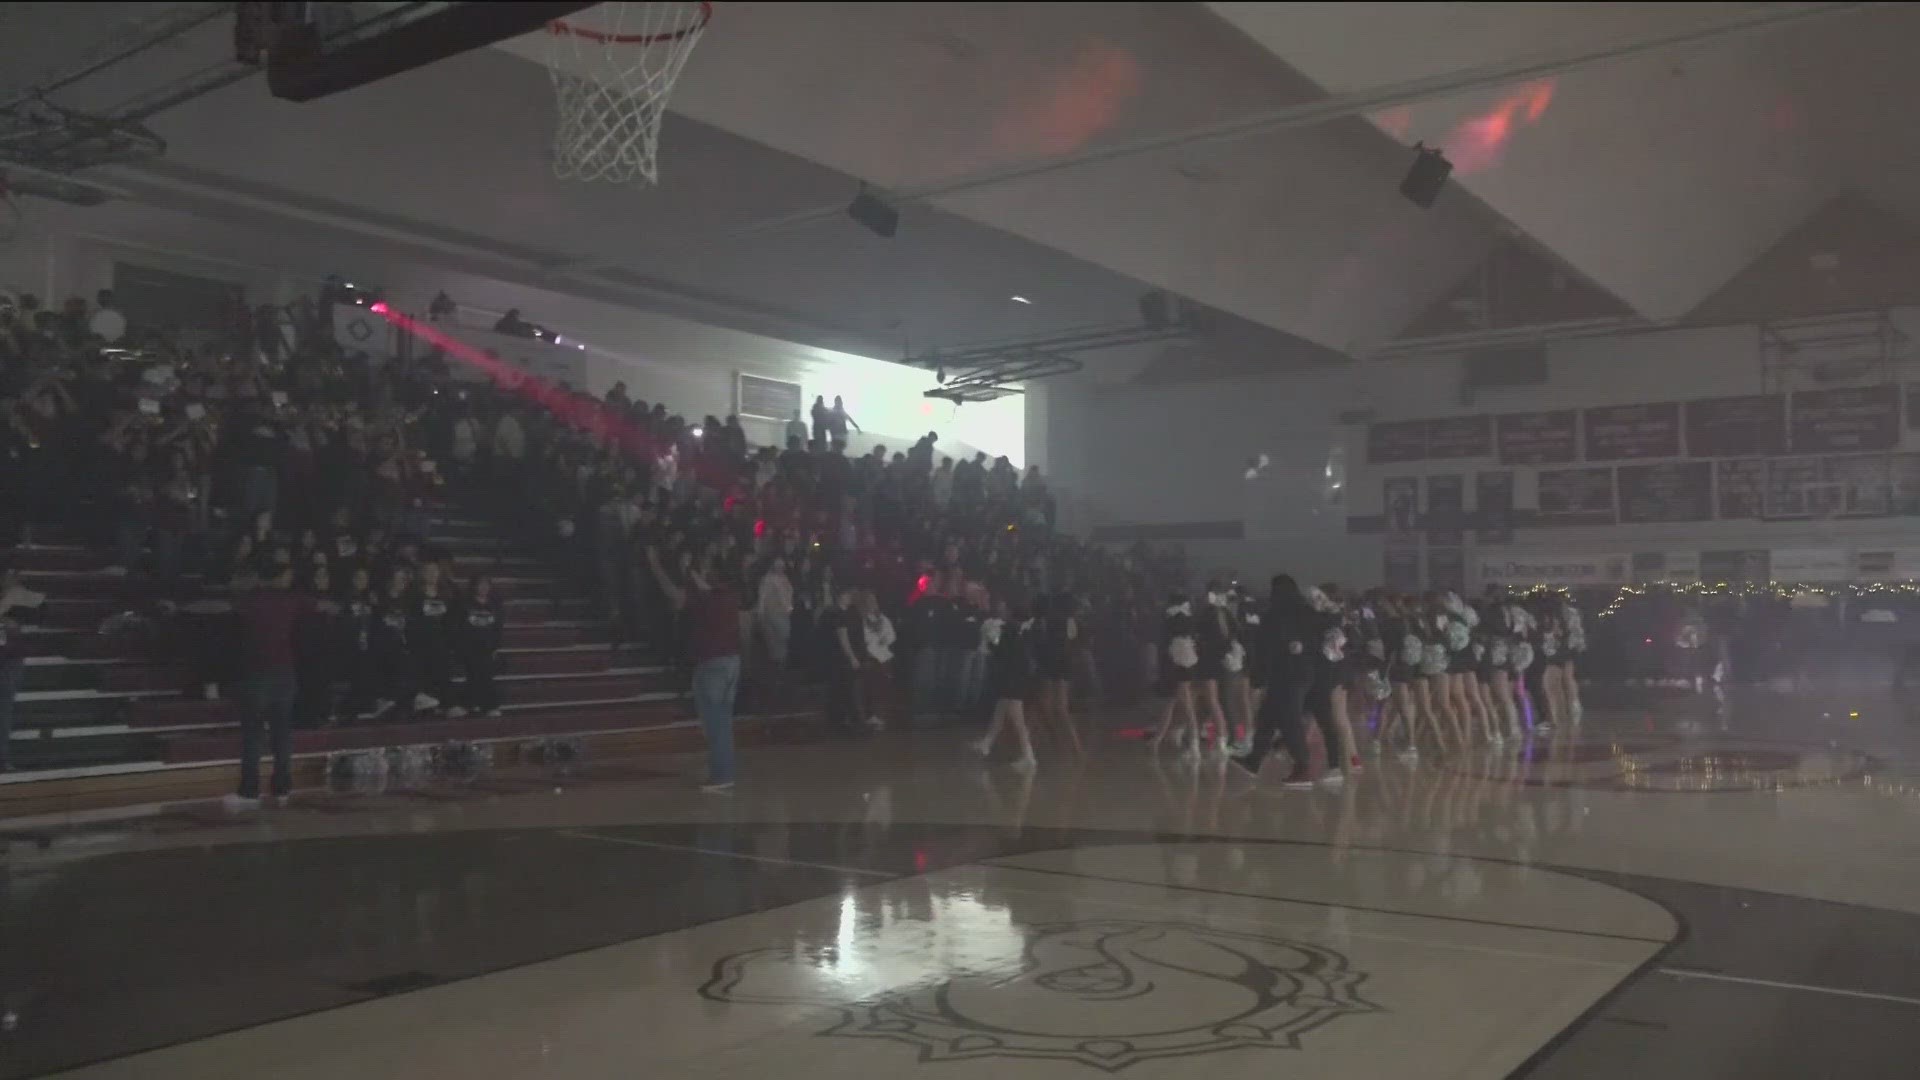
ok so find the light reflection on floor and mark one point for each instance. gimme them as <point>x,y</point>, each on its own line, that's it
<point>909,908</point>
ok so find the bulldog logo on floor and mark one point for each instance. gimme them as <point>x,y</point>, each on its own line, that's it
<point>1107,994</point>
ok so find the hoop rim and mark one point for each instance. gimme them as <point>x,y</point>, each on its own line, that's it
<point>561,26</point>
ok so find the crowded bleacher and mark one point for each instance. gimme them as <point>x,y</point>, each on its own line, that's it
<point>271,459</point>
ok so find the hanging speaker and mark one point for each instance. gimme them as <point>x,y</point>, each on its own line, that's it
<point>1427,176</point>
<point>875,213</point>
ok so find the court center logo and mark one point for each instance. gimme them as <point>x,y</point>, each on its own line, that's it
<point>1107,994</point>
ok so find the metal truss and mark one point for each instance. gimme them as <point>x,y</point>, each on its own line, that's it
<point>988,371</point>
<point>42,142</point>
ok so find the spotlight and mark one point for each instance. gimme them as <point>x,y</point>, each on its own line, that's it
<point>1427,176</point>
<point>875,213</point>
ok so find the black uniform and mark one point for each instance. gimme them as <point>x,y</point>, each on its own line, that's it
<point>430,623</point>
<point>1010,666</point>
<point>394,678</point>
<point>476,647</point>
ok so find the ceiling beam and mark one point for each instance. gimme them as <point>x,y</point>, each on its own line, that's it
<point>1337,106</point>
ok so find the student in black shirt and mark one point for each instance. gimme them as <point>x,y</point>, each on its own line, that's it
<point>430,637</point>
<point>395,685</point>
<point>354,638</point>
<point>477,647</point>
<point>844,640</point>
<point>822,421</point>
<point>1290,635</point>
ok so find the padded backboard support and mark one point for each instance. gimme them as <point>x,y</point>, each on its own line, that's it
<point>300,68</point>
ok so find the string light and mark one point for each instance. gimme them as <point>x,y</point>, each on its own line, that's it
<point>1775,590</point>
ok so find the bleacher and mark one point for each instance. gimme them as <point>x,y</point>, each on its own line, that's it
<point>102,702</point>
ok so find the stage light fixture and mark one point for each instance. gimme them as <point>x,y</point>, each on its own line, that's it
<point>879,217</point>
<point>1426,177</point>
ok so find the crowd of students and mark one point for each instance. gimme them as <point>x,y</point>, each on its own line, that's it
<point>911,585</point>
<point>231,476</point>
<point>870,573</point>
<point>271,460</point>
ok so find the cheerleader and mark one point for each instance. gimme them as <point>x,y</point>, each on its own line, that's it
<point>1576,644</point>
<point>1547,640</point>
<point>1462,662</point>
<point>476,646</point>
<point>1522,651</point>
<point>1250,687</point>
<point>1054,635</point>
<point>1217,649</point>
<point>1006,641</point>
<point>1404,649</point>
<point>1352,677</point>
<point>1499,634</point>
<point>1342,648</point>
<point>1180,649</point>
<point>1432,692</point>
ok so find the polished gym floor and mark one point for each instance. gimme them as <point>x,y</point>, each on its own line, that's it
<point>1684,886</point>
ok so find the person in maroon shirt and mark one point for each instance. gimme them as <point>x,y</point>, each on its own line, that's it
<point>268,614</point>
<point>713,619</point>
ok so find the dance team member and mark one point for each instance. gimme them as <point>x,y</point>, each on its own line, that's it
<point>1006,639</point>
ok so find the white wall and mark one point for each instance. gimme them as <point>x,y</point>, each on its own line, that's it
<point>1130,456</point>
<point>1177,455</point>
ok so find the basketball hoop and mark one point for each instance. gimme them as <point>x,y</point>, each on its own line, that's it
<point>611,78</point>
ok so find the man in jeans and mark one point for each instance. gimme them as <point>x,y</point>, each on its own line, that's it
<point>713,617</point>
<point>268,614</point>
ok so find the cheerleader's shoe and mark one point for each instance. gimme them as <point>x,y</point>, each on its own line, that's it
<point>980,747</point>
<point>494,714</point>
<point>423,702</point>
<point>1191,755</point>
<point>1025,764</point>
<point>1333,778</point>
<point>456,713</point>
<point>1409,756</point>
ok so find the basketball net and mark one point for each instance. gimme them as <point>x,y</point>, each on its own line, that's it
<point>611,78</point>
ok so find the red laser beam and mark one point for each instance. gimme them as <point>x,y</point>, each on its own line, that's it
<point>578,411</point>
